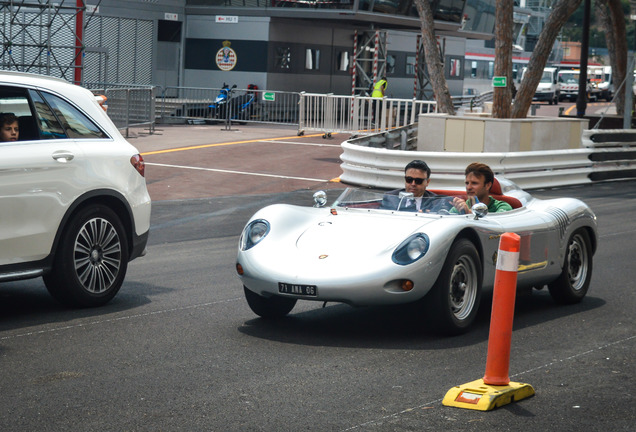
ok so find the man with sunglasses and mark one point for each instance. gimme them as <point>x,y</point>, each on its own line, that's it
<point>417,175</point>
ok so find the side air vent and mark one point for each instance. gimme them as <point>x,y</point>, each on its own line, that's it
<point>561,217</point>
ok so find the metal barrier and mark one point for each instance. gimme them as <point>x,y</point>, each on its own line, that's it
<point>472,101</point>
<point>227,105</point>
<point>374,161</point>
<point>357,114</point>
<point>128,106</point>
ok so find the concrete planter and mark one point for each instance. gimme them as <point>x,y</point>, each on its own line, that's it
<point>482,134</point>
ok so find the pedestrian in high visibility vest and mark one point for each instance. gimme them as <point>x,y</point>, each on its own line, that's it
<point>379,88</point>
<point>378,93</point>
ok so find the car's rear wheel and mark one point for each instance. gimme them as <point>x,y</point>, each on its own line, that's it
<point>91,259</point>
<point>574,281</point>
<point>269,307</point>
<point>453,302</point>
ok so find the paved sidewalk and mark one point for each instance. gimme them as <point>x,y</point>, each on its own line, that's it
<point>204,161</point>
<point>177,136</point>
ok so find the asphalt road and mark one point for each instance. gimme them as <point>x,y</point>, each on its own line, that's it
<point>179,350</point>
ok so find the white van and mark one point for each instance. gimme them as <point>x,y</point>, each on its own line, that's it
<point>569,86</point>
<point>548,89</point>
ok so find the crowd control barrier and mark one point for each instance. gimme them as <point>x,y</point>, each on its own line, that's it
<point>357,115</point>
<point>128,106</point>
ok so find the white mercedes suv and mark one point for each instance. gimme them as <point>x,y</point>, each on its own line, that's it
<point>74,207</point>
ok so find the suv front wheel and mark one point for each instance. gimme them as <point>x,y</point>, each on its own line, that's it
<point>91,259</point>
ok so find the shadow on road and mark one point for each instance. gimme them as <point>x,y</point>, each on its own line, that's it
<point>400,327</point>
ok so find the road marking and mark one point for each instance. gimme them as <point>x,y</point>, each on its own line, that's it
<point>244,173</point>
<point>382,419</point>
<point>589,105</point>
<point>122,318</point>
<point>303,143</point>
<point>223,144</point>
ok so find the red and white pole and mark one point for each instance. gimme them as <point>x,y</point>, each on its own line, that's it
<point>354,70</point>
<point>79,37</point>
<point>503,308</point>
<point>417,61</point>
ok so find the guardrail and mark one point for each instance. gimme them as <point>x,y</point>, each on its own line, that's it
<point>375,161</point>
<point>357,115</point>
<point>128,106</point>
<point>472,101</point>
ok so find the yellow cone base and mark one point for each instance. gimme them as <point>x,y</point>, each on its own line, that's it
<point>476,395</point>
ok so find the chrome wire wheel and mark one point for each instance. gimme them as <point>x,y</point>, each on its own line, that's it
<point>463,288</point>
<point>577,262</point>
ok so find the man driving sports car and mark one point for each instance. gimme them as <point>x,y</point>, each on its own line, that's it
<point>479,180</point>
<point>417,176</point>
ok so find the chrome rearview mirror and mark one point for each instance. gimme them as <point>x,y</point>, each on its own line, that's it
<point>479,210</point>
<point>404,195</point>
<point>320,198</point>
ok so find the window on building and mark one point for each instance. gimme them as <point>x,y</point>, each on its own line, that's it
<point>169,31</point>
<point>283,58</point>
<point>390,64</point>
<point>343,61</point>
<point>454,68</point>
<point>312,59</point>
<point>410,65</point>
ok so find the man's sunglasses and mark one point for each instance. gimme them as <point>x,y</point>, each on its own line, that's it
<point>418,181</point>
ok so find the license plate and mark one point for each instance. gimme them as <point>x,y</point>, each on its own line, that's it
<point>306,290</point>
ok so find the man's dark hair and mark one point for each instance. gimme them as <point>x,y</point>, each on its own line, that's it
<point>420,165</point>
<point>481,170</point>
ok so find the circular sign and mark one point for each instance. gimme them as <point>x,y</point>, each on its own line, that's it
<point>226,58</point>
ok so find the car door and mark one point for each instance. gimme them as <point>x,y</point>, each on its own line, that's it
<point>38,175</point>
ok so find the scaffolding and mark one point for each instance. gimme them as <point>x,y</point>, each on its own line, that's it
<point>369,59</point>
<point>45,37</point>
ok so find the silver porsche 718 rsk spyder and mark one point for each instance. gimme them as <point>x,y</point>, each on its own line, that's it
<point>368,249</point>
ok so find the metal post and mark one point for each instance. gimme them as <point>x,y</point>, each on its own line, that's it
<point>629,79</point>
<point>581,99</point>
<point>79,41</point>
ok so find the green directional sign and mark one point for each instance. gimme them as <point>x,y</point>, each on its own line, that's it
<point>499,81</point>
<point>269,96</point>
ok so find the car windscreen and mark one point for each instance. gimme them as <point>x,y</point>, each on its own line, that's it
<point>393,201</point>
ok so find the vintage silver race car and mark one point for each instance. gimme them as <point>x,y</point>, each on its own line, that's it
<point>362,250</point>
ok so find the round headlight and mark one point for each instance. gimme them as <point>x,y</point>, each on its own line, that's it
<point>416,248</point>
<point>253,233</point>
<point>411,249</point>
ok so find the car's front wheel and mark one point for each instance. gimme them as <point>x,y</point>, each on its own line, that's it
<point>269,307</point>
<point>91,259</point>
<point>574,281</point>
<point>453,302</point>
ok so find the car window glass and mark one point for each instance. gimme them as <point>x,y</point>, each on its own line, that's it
<point>49,125</point>
<point>75,124</point>
<point>15,100</point>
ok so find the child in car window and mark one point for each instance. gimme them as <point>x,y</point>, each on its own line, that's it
<point>9,129</point>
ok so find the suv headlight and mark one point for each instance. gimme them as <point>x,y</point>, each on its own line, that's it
<point>411,249</point>
<point>253,233</point>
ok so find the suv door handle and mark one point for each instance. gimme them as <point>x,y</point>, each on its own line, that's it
<point>63,156</point>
